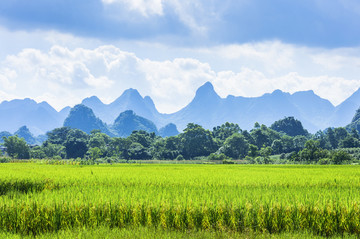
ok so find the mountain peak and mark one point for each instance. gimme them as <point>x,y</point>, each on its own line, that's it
<point>128,121</point>
<point>92,99</point>
<point>83,118</point>
<point>206,91</point>
<point>131,92</point>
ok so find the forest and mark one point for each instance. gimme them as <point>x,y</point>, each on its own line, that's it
<point>285,141</point>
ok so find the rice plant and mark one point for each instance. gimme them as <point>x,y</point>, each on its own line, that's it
<point>37,198</point>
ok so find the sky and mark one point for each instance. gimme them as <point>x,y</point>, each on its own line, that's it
<point>62,51</point>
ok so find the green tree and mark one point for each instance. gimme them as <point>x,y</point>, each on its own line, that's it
<point>16,147</point>
<point>299,142</point>
<point>167,148</point>
<point>340,133</point>
<point>142,137</point>
<point>265,153</point>
<point>235,146</point>
<point>58,135</point>
<point>354,133</point>
<point>253,151</point>
<point>277,146</point>
<point>288,143</point>
<point>52,150</point>
<point>76,144</point>
<point>137,151</point>
<point>330,134</point>
<point>225,131</point>
<point>95,153</point>
<point>349,142</point>
<point>37,153</point>
<point>340,156</point>
<point>289,126</point>
<point>312,151</point>
<point>196,141</point>
<point>119,147</point>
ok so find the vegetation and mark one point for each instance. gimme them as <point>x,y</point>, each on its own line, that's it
<point>286,138</point>
<point>37,198</point>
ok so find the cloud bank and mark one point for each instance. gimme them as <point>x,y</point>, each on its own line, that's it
<point>321,23</point>
<point>64,76</point>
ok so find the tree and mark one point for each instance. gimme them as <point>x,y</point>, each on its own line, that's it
<point>288,143</point>
<point>235,146</point>
<point>265,153</point>
<point>349,142</point>
<point>225,131</point>
<point>277,146</point>
<point>95,153</point>
<point>119,147</point>
<point>340,133</point>
<point>354,133</point>
<point>312,151</point>
<point>99,140</point>
<point>37,153</point>
<point>52,150</point>
<point>16,147</point>
<point>137,151</point>
<point>142,137</point>
<point>289,126</point>
<point>331,138</point>
<point>299,142</point>
<point>339,156</point>
<point>260,137</point>
<point>196,141</point>
<point>253,151</point>
<point>58,135</point>
<point>76,144</point>
<point>167,148</point>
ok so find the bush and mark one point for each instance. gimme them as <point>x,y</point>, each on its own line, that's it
<point>340,156</point>
<point>215,156</point>
<point>5,159</point>
<point>179,158</point>
<point>57,157</point>
<point>324,161</point>
<point>228,161</point>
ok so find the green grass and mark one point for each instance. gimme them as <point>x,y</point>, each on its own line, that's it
<point>36,199</point>
<point>144,232</point>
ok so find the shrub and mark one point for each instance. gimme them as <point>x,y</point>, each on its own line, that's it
<point>179,157</point>
<point>215,156</point>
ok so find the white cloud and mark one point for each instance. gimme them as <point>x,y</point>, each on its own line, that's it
<point>170,81</point>
<point>273,55</point>
<point>6,76</point>
<point>64,76</point>
<point>144,7</point>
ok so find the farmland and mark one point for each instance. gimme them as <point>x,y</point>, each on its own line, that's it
<point>36,198</point>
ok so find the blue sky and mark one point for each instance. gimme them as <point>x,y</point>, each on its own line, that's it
<point>168,48</point>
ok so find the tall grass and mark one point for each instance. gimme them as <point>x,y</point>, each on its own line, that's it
<point>324,200</point>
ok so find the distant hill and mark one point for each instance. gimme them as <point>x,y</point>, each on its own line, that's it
<point>168,130</point>
<point>38,117</point>
<point>344,112</point>
<point>207,109</point>
<point>355,122</point>
<point>129,100</point>
<point>83,118</point>
<point>4,134</point>
<point>24,132</point>
<point>289,126</point>
<point>128,121</point>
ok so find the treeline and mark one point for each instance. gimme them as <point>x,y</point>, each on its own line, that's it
<point>285,138</point>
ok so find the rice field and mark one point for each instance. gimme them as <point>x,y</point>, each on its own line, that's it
<point>37,199</point>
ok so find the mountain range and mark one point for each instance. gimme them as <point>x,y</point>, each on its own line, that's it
<point>207,109</point>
